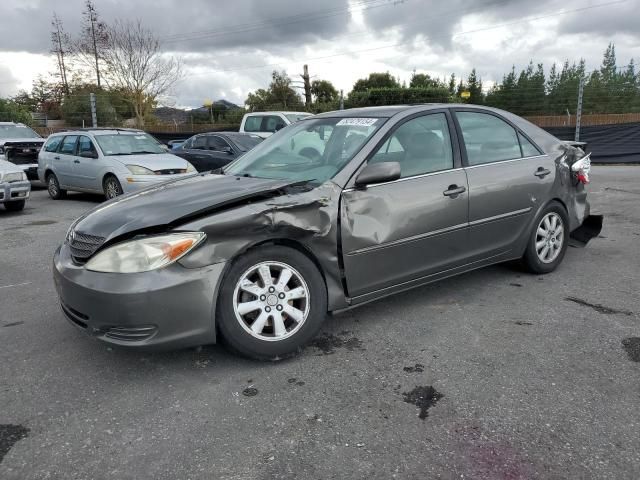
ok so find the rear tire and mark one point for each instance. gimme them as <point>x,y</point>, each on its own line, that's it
<point>14,206</point>
<point>53,187</point>
<point>548,241</point>
<point>111,187</point>
<point>271,319</point>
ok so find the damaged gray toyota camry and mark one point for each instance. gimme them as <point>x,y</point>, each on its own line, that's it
<point>331,212</point>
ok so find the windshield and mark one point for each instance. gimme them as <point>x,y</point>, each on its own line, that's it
<point>246,142</point>
<point>128,144</point>
<point>295,117</point>
<point>312,150</point>
<point>17,131</point>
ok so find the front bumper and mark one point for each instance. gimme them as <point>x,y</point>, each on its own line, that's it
<point>169,308</point>
<point>14,191</point>
<point>134,183</point>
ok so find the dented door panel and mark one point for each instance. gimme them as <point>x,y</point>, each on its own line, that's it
<point>402,230</point>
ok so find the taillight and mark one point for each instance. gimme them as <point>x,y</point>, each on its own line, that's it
<point>582,168</point>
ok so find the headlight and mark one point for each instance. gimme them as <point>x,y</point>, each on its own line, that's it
<point>14,177</point>
<point>138,170</point>
<point>191,168</point>
<point>144,254</point>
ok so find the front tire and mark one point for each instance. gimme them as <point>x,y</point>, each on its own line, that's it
<point>14,206</point>
<point>111,187</point>
<point>548,241</point>
<point>272,302</point>
<point>53,187</point>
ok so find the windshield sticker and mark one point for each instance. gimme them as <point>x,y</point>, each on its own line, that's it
<point>359,122</point>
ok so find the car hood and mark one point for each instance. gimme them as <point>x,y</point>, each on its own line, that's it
<point>156,161</point>
<point>8,167</point>
<point>172,203</point>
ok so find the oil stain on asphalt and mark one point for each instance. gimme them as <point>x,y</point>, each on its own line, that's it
<point>417,368</point>
<point>424,398</point>
<point>598,307</point>
<point>631,345</point>
<point>9,435</point>
<point>327,343</point>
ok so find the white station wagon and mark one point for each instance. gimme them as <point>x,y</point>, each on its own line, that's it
<point>108,161</point>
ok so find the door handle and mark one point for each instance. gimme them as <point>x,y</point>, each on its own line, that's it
<point>454,191</point>
<point>56,158</point>
<point>76,161</point>
<point>542,172</point>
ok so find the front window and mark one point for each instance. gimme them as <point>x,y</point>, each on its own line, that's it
<point>296,117</point>
<point>312,150</point>
<point>17,131</point>
<point>128,144</point>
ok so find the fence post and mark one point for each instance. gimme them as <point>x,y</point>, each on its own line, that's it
<point>94,118</point>
<point>579,110</point>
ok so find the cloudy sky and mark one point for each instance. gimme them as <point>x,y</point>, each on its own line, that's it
<point>229,47</point>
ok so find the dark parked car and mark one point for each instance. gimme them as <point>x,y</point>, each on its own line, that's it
<point>210,151</point>
<point>399,197</point>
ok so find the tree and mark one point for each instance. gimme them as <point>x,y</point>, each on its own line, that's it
<point>452,84</point>
<point>376,80</point>
<point>135,66</point>
<point>61,48</point>
<point>474,86</point>
<point>324,91</point>
<point>279,95</point>
<point>93,40</point>
<point>423,80</point>
<point>11,111</point>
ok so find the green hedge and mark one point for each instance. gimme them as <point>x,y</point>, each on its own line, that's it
<point>397,96</point>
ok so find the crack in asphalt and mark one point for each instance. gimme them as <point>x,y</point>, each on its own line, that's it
<point>600,308</point>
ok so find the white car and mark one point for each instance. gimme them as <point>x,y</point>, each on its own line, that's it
<point>20,145</point>
<point>266,124</point>
<point>14,186</point>
<point>108,161</point>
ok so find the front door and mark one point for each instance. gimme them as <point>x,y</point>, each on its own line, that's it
<point>508,179</point>
<point>415,226</point>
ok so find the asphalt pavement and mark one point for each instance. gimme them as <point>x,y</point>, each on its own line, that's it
<point>496,374</point>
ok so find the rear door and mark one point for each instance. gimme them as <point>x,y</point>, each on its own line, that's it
<point>508,177</point>
<point>195,151</point>
<point>413,227</point>
<point>62,162</point>
<point>220,152</point>
<point>86,169</point>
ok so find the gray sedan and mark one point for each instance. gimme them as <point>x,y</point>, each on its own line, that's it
<point>259,253</point>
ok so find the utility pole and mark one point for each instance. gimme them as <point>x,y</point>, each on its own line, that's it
<point>579,110</point>
<point>94,117</point>
<point>307,86</point>
<point>341,100</point>
<point>93,18</point>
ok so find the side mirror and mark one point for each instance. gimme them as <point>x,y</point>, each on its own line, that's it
<point>228,150</point>
<point>88,154</point>
<point>378,173</point>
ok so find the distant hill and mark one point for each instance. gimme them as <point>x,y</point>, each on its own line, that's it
<point>180,116</point>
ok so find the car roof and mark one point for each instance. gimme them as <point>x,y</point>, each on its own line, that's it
<point>100,131</point>
<point>12,123</point>
<point>271,112</point>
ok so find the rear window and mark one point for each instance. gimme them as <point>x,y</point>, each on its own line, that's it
<point>17,131</point>
<point>252,124</point>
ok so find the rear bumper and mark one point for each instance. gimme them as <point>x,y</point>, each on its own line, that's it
<point>167,308</point>
<point>14,191</point>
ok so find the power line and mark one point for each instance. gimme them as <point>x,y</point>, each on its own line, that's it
<point>371,49</point>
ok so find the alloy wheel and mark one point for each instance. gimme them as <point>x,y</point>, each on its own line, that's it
<point>549,237</point>
<point>271,301</point>
<point>52,186</point>
<point>112,188</point>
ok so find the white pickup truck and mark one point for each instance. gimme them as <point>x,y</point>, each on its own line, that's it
<point>266,124</point>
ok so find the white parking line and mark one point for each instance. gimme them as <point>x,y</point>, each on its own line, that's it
<point>15,285</point>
